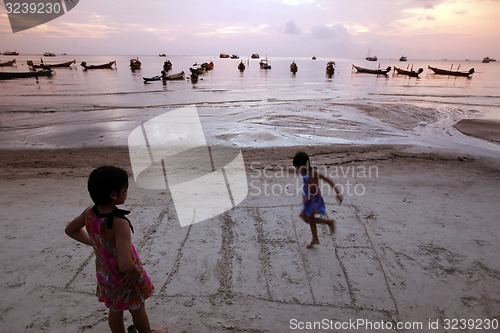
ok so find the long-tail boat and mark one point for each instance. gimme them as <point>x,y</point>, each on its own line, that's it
<point>135,64</point>
<point>152,78</point>
<point>11,53</point>
<point>330,68</point>
<point>197,70</point>
<point>174,77</point>
<point>208,66</point>
<point>372,71</point>
<point>103,66</point>
<point>264,64</point>
<point>44,65</point>
<point>451,72</point>
<point>241,66</point>
<point>167,65</point>
<point>18,75</point>
<point>165,77</point>
<point>8,63</point>
<point>411,72</point>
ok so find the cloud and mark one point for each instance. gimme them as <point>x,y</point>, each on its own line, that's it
<point>337,31</point>
<point>290,28</point>
<point>200,27</point>
<point>230,30</point>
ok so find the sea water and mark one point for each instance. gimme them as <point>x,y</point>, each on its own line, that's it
<point>255,108</point>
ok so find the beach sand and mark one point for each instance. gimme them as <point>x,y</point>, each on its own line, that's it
<point>487,129</point>
<point>416,240</point>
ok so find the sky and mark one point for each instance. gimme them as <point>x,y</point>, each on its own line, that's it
<point>419,29</point>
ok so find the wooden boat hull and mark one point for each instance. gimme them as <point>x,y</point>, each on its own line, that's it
<point>372,71</point>
<point>46,66</point>
<point>153,78</point>
<point>175,77</point>
<point>63,64</point>
<point>451,73</point>
<point>164,77</point>
<point>8,63</point>
<point>109,65</point>
<point>408,73</point>
<point>19,75</point>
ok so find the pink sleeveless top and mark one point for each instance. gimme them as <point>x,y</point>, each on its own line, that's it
<point>109,286</point>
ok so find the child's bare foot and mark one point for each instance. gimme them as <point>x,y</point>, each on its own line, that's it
<point>331,225</point>
<point>313,242</point>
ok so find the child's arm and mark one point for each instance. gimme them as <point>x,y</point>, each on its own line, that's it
<point>75,229</point>
<point>123,241</point>
<point>330,182</point>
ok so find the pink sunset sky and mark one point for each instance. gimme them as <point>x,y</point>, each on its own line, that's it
<point>420,29</point>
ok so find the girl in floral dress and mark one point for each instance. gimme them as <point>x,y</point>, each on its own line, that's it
<point>122,282</point>
<point>313,209</point>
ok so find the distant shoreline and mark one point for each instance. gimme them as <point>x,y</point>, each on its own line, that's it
<point>244,57</point>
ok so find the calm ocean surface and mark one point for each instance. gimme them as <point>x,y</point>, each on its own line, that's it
<point>77,108</point>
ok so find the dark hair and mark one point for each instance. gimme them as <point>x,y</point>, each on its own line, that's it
<point>103,181</point>
<point>300,159</point>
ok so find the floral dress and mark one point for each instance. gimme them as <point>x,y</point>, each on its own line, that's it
<point>312,200</point>
<point>109,286</point>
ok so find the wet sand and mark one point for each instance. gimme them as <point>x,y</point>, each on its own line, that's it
<point>482,128</point>
<point>416,240</point>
